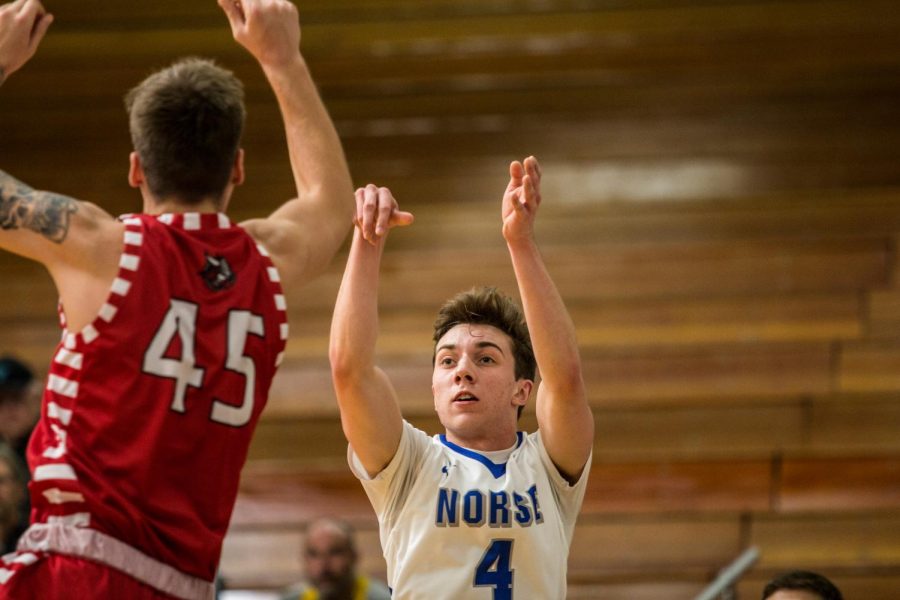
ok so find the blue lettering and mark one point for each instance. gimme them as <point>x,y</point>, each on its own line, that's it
<point>523,513</point>
<point>538,517</point>
<point>498,509</point>
<point>447,507</point>
<point>473,508</point>
<point>499,516</point>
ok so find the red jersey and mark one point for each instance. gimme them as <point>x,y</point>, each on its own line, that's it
<point>149,411</point>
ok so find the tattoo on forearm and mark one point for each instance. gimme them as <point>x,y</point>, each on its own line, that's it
<point>22,207</point>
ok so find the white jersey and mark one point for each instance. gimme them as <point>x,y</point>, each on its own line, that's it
<point>454,524</point>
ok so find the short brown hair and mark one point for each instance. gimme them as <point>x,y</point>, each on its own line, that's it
<point>803,580</point>
<point>186,123</point>
<point>487,306</point>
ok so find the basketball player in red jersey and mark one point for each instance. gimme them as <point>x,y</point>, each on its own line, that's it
<point>174,320</point>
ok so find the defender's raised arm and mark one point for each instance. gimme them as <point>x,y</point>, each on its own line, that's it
<point>304,233</point>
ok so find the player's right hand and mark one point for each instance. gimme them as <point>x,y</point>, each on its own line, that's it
<point>23,24</point>
<point>268,29</point>
<point>377,212</point>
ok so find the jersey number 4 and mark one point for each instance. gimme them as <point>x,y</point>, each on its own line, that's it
<point>494,569</point>
<point>181,321</point>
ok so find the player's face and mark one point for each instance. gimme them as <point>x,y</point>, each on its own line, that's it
<point>329,562</point>
<point>476,393</point>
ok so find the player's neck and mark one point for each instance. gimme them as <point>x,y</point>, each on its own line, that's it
<point>491,443</point>
<point>153,206</point>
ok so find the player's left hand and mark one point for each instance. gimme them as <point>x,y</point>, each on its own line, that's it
<point>268,29</point>
<point>23,24</point>
<point>521,199</point>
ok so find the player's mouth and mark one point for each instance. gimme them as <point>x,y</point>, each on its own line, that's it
<point>465,397</point>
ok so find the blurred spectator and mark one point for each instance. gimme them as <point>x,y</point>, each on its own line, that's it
<point>19,404</point>
<point>12,493</point>
<point>330,557</point>
<point>19,410</point>
<point>801,585</point>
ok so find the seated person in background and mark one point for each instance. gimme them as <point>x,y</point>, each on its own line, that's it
<point>801,585</point>
<point>19,411</point>
<point>330,559</point>
<point>12,491</point>
<point>19,404</point>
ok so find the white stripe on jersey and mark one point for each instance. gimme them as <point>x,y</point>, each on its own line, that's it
<point>55,411</point>
<point>69,358</point>
<point>108,312</point>
<point>62,386</point>
<point>191,221</point>
<point>81,519</point>
<point>130,261</point>
<point>120,286</point>
<point>55,471</point>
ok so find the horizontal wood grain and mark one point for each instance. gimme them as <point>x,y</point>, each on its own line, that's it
<point>870,366</point>
<point>849,539</point>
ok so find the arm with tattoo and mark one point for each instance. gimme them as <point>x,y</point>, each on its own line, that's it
<point>45,213</point>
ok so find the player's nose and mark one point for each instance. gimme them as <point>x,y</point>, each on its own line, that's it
<point>464,370</point>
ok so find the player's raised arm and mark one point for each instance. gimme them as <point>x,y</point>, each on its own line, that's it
<point>23,24</point>
<point>71,238</point>
<point>369,411</point>
<point>564,416</point>
<point>303,234</point>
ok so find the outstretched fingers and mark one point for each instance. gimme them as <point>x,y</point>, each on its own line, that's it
<point>516,172</point>
<point>42,22</point>
<point>234,10</point>
<point>531,183</point>
<point>377,212</point>
<point>532,167</point>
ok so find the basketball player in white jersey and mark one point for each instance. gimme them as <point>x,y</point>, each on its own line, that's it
<point>483,511</point>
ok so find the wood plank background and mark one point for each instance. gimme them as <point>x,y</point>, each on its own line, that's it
<point>721,213</point>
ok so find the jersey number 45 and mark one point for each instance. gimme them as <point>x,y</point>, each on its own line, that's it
<point>181,321</point>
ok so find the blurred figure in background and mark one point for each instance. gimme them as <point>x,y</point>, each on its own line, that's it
<point>19,404</point>
<point>19,410</point>
<point>801,585</point>
<point>330,559</point>
<point>13,518</point>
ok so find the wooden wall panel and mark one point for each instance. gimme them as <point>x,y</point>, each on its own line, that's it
<point>870,366</point>
<point>848,539</point>
<point>884,314</point>
<point>839,483</point>
<point>856,424</point>
<point>632,545</point>
<point>678,486</point>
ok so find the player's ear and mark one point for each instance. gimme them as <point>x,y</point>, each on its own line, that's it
<point>135,170</point>
<point>237,170</point>
<point>523,391</point>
